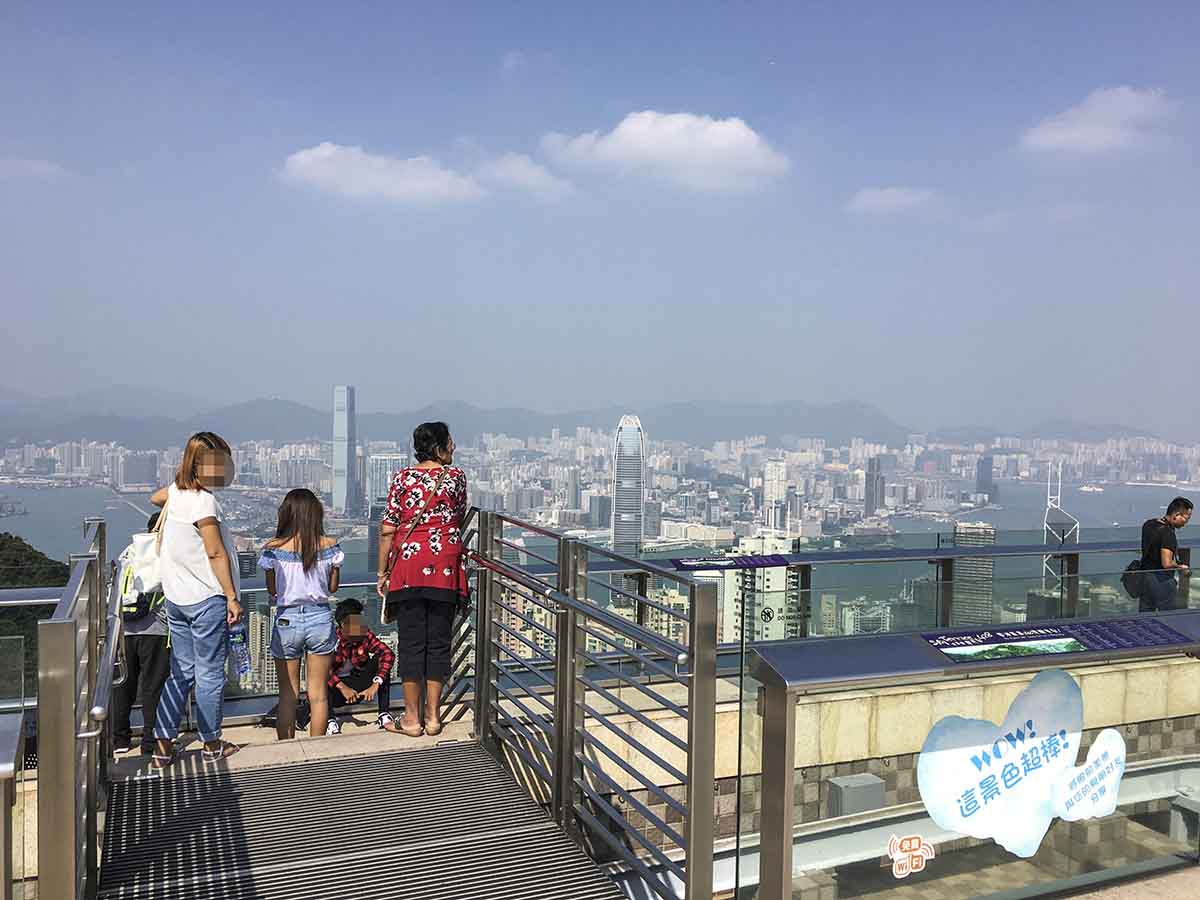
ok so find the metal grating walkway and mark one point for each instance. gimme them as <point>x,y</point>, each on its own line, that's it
<point>447,822</point>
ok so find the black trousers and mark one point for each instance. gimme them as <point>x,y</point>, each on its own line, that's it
<point>424,620</point>
<point>148,662</point>
<point>360,680</point>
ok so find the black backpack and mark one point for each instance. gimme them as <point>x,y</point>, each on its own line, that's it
<point>1131,579</point>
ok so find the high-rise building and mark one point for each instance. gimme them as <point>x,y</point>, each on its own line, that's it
<point>985,481</point>
<point>875,487</point>
<point>774,482</point>
<point>973,577</point>
<point>574,493</point>
<point>345,450</point>
<point>654,509</point>
<point>600,509</point>
<point>380,469</point>
<point>629,487</point>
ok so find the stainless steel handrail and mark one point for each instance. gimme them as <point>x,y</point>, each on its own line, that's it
<point>625,627</point>
<point>528,526</point>
<point>557,749</point>
<point>30,596</point>
<point>112,658</point>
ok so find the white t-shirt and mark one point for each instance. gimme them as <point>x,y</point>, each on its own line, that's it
<point>187,575</point>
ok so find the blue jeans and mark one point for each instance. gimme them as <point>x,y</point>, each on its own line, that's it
<point>199,647</point>
<point>303,628</point>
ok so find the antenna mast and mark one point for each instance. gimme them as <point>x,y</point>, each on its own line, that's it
<point>1058,525</point>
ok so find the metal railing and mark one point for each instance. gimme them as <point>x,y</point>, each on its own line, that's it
<point>12,845</point>
<point>76,653</point>
<point>562,684</point>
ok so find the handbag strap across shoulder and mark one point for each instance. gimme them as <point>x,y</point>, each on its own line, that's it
<point>437,489</point>
<point>161,521</point>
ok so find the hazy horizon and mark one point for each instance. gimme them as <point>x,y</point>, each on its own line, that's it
<point>979,217</point>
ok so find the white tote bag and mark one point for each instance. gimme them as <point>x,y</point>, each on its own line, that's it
<point>143,555</point>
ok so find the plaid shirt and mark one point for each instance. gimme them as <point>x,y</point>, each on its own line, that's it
<point>357,653</point>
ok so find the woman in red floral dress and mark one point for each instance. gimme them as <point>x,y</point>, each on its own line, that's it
<point>425,508</point>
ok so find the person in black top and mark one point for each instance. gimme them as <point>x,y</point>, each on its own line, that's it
<point>1159,560</point>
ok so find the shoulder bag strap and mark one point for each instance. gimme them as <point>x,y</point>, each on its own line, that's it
<point>159,525</point>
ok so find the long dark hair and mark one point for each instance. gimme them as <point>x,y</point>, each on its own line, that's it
<point>302,516</point>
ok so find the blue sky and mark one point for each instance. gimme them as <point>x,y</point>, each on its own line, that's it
<point>963,215</point>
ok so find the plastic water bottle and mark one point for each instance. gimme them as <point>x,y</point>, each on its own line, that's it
<point>239,648</point>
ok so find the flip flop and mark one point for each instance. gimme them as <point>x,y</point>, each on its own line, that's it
<point>161,761</point>
<point>225,751</point>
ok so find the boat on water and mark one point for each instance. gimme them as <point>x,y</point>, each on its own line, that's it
<point>1091,489</point>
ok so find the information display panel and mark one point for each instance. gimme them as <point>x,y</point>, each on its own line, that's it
<point>985,644</point>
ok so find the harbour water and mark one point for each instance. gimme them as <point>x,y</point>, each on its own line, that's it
<point>54,520</point>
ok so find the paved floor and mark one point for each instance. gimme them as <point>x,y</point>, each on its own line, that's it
<point>261,748</point>
<point>1184,885</point>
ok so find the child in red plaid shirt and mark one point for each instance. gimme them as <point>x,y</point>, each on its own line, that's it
<point>361,670</point>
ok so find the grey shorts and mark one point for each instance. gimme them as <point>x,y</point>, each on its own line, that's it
<point>303,628</point>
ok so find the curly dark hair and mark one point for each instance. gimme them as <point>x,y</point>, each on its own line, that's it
<point>430,439</point>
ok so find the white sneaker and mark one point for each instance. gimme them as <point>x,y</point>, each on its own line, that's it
<point>334,726</point>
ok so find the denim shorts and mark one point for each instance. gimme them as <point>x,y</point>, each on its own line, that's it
<point>303,628</point>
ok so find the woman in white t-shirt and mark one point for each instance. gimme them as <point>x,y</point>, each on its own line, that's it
<point>200,582</point>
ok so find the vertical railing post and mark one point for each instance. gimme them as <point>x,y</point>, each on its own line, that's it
<point>702,738</point>
<point>1070,586</point>
<point>642,589</point>
<point>89,750</point>
<point>58,814</point>
<point>1185,578</point>
<point>778,791</point>
<point>945,593</point>
<point>485,589</point>
<point>562,791</point>
<point>575,694</point>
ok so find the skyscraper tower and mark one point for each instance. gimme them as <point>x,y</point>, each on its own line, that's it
<point>774,491</point>
<point>973,577</point>
<point>629,487</point>
<point>874,487</point>
<point>985,480</point>
<point>346,492</point>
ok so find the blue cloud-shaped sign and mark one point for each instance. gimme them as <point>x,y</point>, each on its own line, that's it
<point>1009,782</point>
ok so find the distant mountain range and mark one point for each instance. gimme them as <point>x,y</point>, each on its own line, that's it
<point>133,417</point>
<point>283,420</point>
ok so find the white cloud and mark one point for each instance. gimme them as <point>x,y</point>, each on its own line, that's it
<point>353,172</point>
<point>1108,120</point>
<point>517,170</point>
<point>892,201</point>
<point>512,62</point>
<point>696,152</point>
<point>30,168</point>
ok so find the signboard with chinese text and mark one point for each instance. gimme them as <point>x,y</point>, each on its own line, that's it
<point>1046,639</point>
<point>1009,782</point>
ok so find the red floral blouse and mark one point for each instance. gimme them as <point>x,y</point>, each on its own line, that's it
<point>432,556</point>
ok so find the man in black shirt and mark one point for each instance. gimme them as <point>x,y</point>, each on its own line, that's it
<point>1159,561</point>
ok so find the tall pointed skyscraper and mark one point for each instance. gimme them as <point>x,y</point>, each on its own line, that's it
<point>346,491</point>
<point>629,487</point>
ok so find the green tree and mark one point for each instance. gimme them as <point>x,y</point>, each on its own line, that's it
<point>24,566</point>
